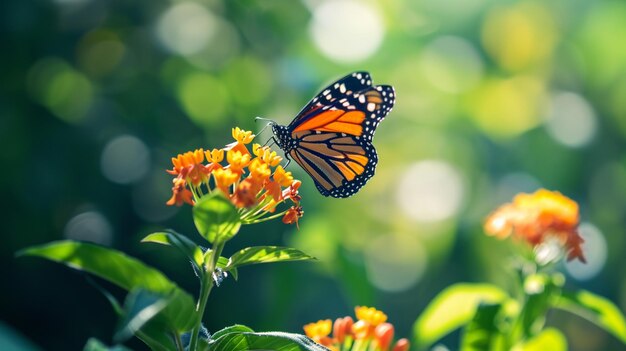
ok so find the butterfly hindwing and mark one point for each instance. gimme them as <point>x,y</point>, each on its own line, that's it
<point>339,164</point>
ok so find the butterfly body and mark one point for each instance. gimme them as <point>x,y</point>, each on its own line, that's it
<point>331,138</point>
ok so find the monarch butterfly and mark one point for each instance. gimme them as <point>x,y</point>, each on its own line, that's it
<point>331,137</point>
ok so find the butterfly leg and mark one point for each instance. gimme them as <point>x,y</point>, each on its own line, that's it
<point>288,161</point>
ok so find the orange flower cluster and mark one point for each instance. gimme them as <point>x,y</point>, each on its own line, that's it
<point>537,218</point>
<point>255,182</point>
<point>369,332</point>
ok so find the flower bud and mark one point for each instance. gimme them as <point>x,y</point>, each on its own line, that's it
<point>342,328</point>
<point>402,345</point>
<point>384,335</point>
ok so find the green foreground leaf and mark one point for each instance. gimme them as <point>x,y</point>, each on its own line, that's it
<point>123,271</point>
<point>216,218</point>
<point>453,307</point>
<point>482,332</point>
<point>549,339</point>
<point>277,341</point>
<point>185,245</point>
<point>595,309</point>
<point>265,254</point>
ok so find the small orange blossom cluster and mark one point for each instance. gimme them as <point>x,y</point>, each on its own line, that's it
<point>369,332</point>
<point>255,182</point>
<point>538,217</point>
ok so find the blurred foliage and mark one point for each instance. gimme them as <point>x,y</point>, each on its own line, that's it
<point>494,97</point>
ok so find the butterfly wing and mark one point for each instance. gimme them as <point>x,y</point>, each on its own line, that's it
<point>345,86</point>
<point>339,164</point>
<point>334,138</point>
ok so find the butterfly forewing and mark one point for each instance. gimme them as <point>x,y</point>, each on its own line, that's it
<point>345,86</point>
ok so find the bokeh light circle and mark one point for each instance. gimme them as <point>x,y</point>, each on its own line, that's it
<point>595,250</point>
<point>395,262</point>
<point>451,64</point>
<point>430,191</point>
<point>186,28</point>
<point>89,226</point>
<point>571,120</point>
<point>125,159</point>
<point>346,31</point>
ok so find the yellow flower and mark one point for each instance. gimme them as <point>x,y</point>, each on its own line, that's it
<point>370,331</point>
<point>370,315</point>
<point>242,136</point>
<point>215,155</point>
<point>270,157</point>
<point>224,178</point>
<point>189,166</point>
<point>256,196</point>
<point>283,178</point>
<point>259,171</point>
<point>319,329</point>
<point>237,161</point>
<point>538,217</point>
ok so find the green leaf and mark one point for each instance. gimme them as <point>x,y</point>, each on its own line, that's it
<point>181,242</point>
<point>482,332</point>
<point>124,271</point>
<point>277,341</point>
<point>97,345</point>
<point>452,308</point>
<point>549,339</point>
<point>140,307</point>
<point>596,309</point>
<point>109,264</point>
<point>265,254</point>
<point>222,262</point>
<point>237,328</point>
<point>216,218</point>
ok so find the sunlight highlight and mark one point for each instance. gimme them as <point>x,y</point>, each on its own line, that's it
<point>571,120</point>
<point>346,31</point>
<point>125,159</point>
<point>431,191</point>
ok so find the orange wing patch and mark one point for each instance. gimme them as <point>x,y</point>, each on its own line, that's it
<point>337,121</point>
<point>345,170</point>
<point>359,158</point>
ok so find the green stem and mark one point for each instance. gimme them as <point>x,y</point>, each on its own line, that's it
<point>179,342</point>
<point>205,289</point>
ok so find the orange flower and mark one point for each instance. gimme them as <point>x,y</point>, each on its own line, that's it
<point>402,345</point>
<point>180,193</point>
<point>237,161</point>
<point>189,165</point>
<point>293,215</point>
<point>370,332</point>
<point>224,178</point>
<point>537,218</point>
<point>342,328</point>
<point>242,136</point>
<point>384,335</point>
<point>256,196</point>
<point>282,177</point>
<point>215,155</point>
<point>319,332</point>
<point>362,330</point>
<point>259,171</point>
<point>292,192</point>
<point>246,193</point>
<point>273,189</point>
<point>370,315</point>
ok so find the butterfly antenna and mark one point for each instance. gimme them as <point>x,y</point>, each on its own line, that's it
<point>269,123</point>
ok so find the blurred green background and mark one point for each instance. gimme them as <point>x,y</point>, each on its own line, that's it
<point>494,98</point>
